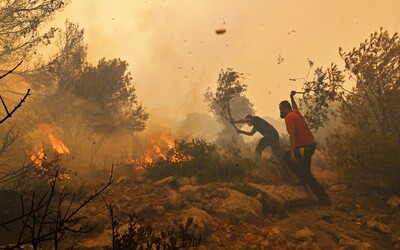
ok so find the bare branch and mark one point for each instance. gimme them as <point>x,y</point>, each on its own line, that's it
<point>9,72</point>
<point>9,114</point>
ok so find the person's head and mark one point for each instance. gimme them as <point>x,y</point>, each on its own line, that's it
<point>249,119</point>
<point>284,108</point>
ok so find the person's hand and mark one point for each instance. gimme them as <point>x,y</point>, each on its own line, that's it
<point>293,158</point>
<point>292,93</point>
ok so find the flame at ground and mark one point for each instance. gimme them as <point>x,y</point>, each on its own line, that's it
<point>158,149</point>
<point>37,156</point>
<point>58,145</point>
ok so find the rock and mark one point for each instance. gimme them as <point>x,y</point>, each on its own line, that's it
<point>104,239</point>
<point>277,198</point>
<point>140,177</point>
<point>202,221</point>
<point>265,244</point>
<point>353,244</point>
<point>307,245</point>
<point>141,209</point>
<point>183,181</point>
<point>174,199</point>
<point>193,180</point>
<point>166,181</point>
<point>396,238</point>
<point>376,225</point>
<point>237,207</point>
<point>122,179</point>
<point>146,210</point>
<point>339,187</point>
<point>190,193</point>
<point>264,231</point>
<point>394,201</point>
<point>159,209</point>
<point>125,197</point>
<point>275,236</point>
<point>304,234</point>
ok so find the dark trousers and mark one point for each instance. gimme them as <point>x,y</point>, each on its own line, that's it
<point>269,140</point>
<point>302,169</point>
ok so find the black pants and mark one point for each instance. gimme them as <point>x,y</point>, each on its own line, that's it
<point>302,169</point>
<point>269,140</point>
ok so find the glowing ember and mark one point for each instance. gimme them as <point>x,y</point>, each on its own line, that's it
<point>157,151</point>
<point>58,145</point>
<point>169,141</point>
<point>37,156</point>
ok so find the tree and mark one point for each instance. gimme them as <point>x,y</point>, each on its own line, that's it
<point>108,87</point>
<point>68,64</point>
<point>103,95</point>
<point>321,94</point>
<point>375,67</point>
<point>20,23</point>
<point>365,149</point>
<point>365,144</point>
<point>228,102</point>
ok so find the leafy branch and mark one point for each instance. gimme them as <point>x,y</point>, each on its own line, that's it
<point>229,93</point>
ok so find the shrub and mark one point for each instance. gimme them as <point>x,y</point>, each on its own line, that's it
<point>140,236</point>
<point>201,159</point>
<point>365,147</point>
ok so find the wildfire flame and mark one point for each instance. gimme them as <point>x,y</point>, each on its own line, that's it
<point>38,156</point>
<point>157,149</point>
<point>58,145</point>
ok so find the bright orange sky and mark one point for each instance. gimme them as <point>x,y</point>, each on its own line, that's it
<point>174,53</point>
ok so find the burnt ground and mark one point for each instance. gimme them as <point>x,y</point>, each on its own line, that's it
<point>353,221</point>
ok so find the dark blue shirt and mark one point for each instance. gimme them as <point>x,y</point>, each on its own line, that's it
<point>263,127</point>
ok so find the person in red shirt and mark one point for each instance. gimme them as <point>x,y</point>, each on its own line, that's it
<point>302,147</point>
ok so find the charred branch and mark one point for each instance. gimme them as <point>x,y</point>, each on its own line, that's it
<point>9,114</point>
<point>51,217</point>
<point>9,72</point>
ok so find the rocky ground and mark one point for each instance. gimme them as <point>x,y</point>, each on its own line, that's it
<point>251,214</point>
<point>266,210</point>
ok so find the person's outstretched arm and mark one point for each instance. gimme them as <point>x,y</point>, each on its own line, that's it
<point>252,132</point>
<point>240,121</point>
<point>294,105</point>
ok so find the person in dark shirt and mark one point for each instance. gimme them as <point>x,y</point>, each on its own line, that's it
<point>302,147</point>
<point>270,134</point>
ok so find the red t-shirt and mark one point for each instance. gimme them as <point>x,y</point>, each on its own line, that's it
<point>303,133</point>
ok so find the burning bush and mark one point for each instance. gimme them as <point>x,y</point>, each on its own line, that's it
<point>201,159</point>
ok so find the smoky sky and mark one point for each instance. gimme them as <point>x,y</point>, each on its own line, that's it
<point>174,53</point>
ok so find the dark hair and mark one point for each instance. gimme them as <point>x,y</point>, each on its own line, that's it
<point>249,117</point>
<point>285,104</point>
